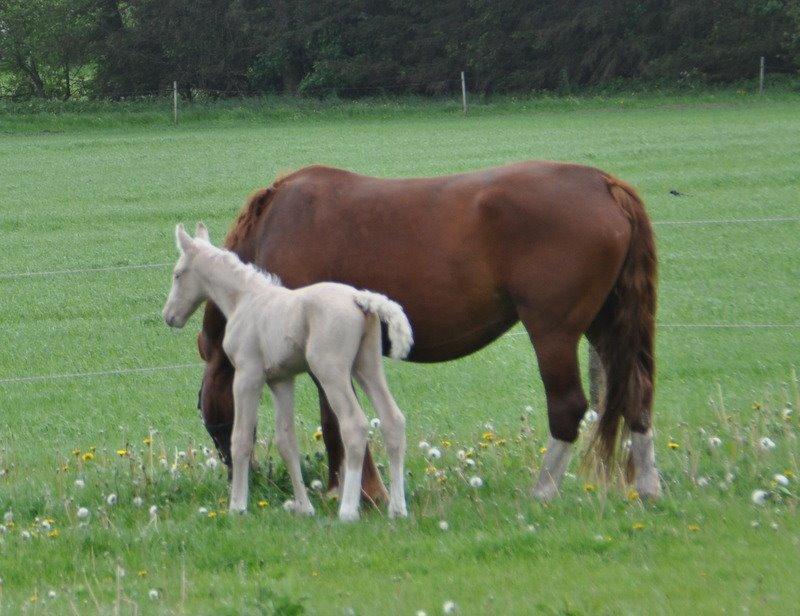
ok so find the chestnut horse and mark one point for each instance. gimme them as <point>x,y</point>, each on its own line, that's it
<point>566,249</point>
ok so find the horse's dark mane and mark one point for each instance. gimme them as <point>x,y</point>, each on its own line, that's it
<point>251,212</point>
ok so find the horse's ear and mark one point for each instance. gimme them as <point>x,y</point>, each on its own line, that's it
<point>201,232</point>
<point>182,239</point>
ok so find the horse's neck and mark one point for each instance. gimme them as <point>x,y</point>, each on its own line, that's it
<point>223,284</point>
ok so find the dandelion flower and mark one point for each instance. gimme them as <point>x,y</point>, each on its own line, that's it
<point>153,512</point>
<point>202,511</point>
<point>633,494</point>
<point>88,456</point>
<point>141,573</point>
<point>316,485</point>
<point>449,607</point>
<point>212,463</point>
<point>424,445</point>
<point>262,503</point>
<point>137,501</point>
<point>475,482</point>
<point>434,453</point>
<point>673,445</point>
<point>759,497</point>
<point>488,436</point>
<point>111,499</point>
<point>53,534</point>
<point>781,480</point>
<point>714,442</point>
<point>766,443</point>
<point>212,514</point>
<point>82,513</point>
<point>122,452</point>
<point>638,526</point>
<point>318,433</point>
<point>589,487</point>
<point>153,594</point>
<point>693,528</point>
<point>375,423</point>
<point>443,525</point>
<point>80,484</point>
<point>147,440</point>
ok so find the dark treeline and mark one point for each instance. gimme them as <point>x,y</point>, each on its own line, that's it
<point>115,48</point>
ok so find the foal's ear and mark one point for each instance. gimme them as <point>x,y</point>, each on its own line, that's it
<point>201,232</point>
<point>182,239</point>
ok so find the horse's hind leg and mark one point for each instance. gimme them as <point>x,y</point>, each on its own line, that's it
<point>557,354</point>
<point>286,441</point>
<point>372,379</point>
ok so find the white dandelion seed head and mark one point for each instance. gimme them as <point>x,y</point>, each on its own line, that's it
<point>316,485</point>
<point>489,426</point>
<point>434,453</point>
<point>51,594</point>
<point>153,594</point>
<point>444,525</point>
<point>153,511</point>
<point>786,413</point>
<point>8,517</point>
<point>449,607</point>
<point>461,455</point>
<point>212,463</point>
<point>3,530</point>
<point>766,443</point>
<point>591,416</point>
<point>759,497</point>
<point>202,511</point>
<point>80,484</point>
<point>424,445</point>
<point>469,462</point>
<point>45,525</point>
<point>627,444</point>
<point>137,501</point>
<point>420,613</point>
<point>163,461</point>
<point>702,481</point>
<point>531,528</point>
<point>206,451</point>
<point>715,442</point>
<point>181,454</point>
<point>288,505</point>
<point>475,482</point>
<point>755,524</point>
<point>82,513</point>
<point>599,538</point>
<point>25,534</point>
<point>781,480</point>
<point>723,486</point>
<point>111,499</point>
<point>774,526</point>
<point>375,423</point>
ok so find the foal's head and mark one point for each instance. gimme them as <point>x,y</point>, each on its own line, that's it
<point>186,293</point>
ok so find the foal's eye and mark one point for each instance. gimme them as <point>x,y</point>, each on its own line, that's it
<point>177,275</point>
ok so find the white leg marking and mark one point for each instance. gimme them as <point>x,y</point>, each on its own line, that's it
<point>644,464</point>
<point>286,441</point>
<point>554,465</point>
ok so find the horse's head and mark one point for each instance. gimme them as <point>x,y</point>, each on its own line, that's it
<point>186,293</point>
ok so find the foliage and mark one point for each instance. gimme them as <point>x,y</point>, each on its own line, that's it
<point>355,48</point>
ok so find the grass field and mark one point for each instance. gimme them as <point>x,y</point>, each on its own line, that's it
<point>104,188</point>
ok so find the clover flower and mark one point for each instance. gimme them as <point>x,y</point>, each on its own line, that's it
<point>766,443</point>
<point>759,497</point>
<point>443,525</point>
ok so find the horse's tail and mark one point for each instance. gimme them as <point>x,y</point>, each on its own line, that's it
<point>391,313</point>
<point>624,331</point>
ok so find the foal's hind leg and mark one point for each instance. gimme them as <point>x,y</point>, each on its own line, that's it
<point>372,379</point>
<point>286,441</point>
<point>557,353</point>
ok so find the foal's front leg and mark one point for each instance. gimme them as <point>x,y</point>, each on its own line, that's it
<point>247,386</point>
<point>286,441</point>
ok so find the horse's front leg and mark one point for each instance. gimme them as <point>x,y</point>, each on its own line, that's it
<point>247,386</point>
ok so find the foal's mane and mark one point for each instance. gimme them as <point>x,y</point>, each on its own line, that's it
<point>249,273</point>
<point>251,212</point>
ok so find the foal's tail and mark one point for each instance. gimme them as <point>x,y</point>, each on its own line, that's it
<point>392,314</point>
<point>623,332</point>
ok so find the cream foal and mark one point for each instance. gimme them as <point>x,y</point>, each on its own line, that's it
<point>329,330</point>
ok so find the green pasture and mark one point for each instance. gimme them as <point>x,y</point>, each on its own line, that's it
<point>88,201</point>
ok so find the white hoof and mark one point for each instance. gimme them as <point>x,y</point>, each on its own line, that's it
<point>649,485</point>
<point>348,516</point>
<point>238,509</point>
<point>545,491</point>
<point>398,511</point>
<point>306,509</point>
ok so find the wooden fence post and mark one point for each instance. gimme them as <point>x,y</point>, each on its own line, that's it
<point>175,102</point>
<point>463,93</point>
<point>761,77</point>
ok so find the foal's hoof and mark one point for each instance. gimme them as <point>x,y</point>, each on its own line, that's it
<point>348,516</point>
<point>237,510</point>
<point>545,492</point>
<point>398,512</point>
